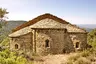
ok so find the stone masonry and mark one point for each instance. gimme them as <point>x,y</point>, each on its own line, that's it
<point>48,34</point>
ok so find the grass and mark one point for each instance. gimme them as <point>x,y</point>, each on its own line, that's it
<point>82,60</point>
<point>84,57</point>
<point>85,53</point>
<point>74,57</point>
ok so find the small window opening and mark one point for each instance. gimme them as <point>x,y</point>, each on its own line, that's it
<point>64,51</point>
<point>16,46</point>
<point>65,30</point>
<point>77,44</point>
<point>47,43</point>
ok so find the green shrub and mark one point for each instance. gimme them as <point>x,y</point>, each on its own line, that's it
<point>8,57</point>
<point>5,42</point>
<point>92,38</point>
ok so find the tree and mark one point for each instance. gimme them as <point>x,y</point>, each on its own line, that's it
<point>3,22</point>
<point>92,38</point>
<point>3,13</point>
<point>3,16</point>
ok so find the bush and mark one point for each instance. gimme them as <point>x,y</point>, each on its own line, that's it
<point>85,53</point>
<point>69,62</point>
<point>92,38</point>
<point>5,42</point>
<point>8,57</point>
<point>82,60</point>
<point>91,58</point>
<point>74,57</point>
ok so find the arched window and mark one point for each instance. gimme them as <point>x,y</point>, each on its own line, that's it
<point>77,44</point>
<point>65,30</point>
<point>47,43</point>
<point>16,46</point>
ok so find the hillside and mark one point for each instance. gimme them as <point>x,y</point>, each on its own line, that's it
<point>7,29</point>
<point>11,24</point>
<point>88,27</point>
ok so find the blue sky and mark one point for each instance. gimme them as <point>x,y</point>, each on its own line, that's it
<point>73,11</point>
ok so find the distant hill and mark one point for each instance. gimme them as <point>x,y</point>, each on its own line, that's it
<point>91,26</point>
<point>88,27</point>
<point>12,24</point>
<point>6,29</point>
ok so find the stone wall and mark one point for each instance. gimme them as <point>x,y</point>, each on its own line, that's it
<point>48,36</point>
<point>81,38</point>
<point>59,41</point>
<point>24,43</point>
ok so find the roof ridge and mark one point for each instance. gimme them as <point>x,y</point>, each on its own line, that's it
<point>38,18</point>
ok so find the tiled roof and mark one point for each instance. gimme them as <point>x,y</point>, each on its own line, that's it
<point>47,15</point>
<point>46,21</point>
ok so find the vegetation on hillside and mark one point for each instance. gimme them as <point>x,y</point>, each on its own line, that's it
<point>92,38</point>
<point>9,57</point>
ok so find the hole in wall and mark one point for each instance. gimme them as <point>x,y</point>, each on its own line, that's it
<point>65,30</point>
<point>77,45</point>
<point>46,43</point>
<point>16,46</point>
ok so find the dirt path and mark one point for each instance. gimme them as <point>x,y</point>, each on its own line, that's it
<point>52,59</point>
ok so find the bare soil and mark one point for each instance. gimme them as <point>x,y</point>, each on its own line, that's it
<point>52,59</point>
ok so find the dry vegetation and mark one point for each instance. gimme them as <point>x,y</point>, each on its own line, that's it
<point>84,57</point>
